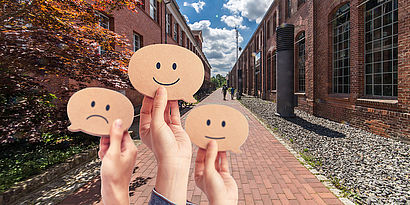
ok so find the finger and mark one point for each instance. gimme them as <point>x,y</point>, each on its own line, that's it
<point>211,153</point>
<point>175,115</point>
<point>167,114</point>
<point>128,144</point>
<point>224,162</point>
<point>116,135</point>
<point>200,162</point>
<point>104,144</point>
<point>145,112</point>
<point>160,103</point>
<point>217,167</point>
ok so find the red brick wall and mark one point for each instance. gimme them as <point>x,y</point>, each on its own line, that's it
<point>386,118</point>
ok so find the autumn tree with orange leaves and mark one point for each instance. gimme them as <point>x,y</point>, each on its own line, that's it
<point>45,39</point>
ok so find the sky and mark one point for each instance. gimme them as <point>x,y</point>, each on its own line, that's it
<point>217,20</point>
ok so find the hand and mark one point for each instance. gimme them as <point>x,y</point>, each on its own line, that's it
<point>162,132</point>
<point>118,154</point>
<point>212,176</point>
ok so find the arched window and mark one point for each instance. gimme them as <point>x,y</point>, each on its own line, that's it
<point>300,43</point>
<point>341,50</point>
<point>381,55</point>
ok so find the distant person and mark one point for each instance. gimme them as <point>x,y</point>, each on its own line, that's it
<point>232,92</point>
<point>224,90</point>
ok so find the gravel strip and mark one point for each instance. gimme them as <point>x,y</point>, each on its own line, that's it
<point>374,169</point>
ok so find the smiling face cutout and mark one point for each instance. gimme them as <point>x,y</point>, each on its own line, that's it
<point>226,125</point>
<point>93,110</point>
<point>175,68</point>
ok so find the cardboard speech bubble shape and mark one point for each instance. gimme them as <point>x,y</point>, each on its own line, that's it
<point>174,67</point>
<point>93,110</point>
<point>226,125</point>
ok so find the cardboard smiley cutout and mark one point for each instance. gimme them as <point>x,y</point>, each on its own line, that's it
<point>93,110</point>
<point>174,67</point>
<point>226,125</point>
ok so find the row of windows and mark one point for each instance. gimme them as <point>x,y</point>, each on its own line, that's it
<point>381,50</point>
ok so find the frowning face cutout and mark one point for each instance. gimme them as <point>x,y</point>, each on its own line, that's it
<point>175,68</point>
<point>226,125</point>
<point>93,110</point>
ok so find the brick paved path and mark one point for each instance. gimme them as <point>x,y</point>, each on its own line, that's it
<point>266,172</point>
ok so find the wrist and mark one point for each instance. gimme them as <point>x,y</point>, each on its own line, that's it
<point>112,194</point>
<point>172,181</point>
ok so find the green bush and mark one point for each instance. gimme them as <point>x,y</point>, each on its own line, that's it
<point>21,160</point>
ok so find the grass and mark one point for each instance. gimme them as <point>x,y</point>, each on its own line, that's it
<point>346,192</point>
<point>310,160</point>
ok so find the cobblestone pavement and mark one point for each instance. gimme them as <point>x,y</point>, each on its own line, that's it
<point>266,172</point>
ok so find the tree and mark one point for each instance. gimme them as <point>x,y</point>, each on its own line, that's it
<point>44,39</point>
<point>218,80</point>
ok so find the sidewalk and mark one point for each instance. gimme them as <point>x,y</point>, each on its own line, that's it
<point>266,172</point>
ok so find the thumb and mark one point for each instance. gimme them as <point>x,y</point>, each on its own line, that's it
<point>158,110</point>
<point>211,154</point>
<point>116,134</point>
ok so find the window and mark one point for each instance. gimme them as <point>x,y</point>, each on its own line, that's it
<point>341,50</point>
<point>300,42</point>
<point>268,30</point>
<point>175,32</point>
<point>181,37</point>
<point>274,70</point>
<point>269,72</point>
<point>381,54</point>
<point>289,8</point>
<point>279,13</point>
<point>137,42</point>
<point>105,23</point>
<point>168,23</point>
<point>153,12</point>
<point>274,24</point>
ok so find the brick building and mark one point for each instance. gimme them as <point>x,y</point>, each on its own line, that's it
<point>352,61</point>
<point>154,23</point>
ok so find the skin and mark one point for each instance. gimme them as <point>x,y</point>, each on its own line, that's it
<point>118,154</point>
<point>212,175</point>
<point>162,132</point>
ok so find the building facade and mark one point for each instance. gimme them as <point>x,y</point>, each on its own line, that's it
<point>157,22</point>
<point>351,61</point>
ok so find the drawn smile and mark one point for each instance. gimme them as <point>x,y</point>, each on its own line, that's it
<point>215,138</point>
<point>166,84</point>
<point>98,116</point>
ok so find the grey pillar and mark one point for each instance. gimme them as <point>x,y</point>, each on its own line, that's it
<point>285,70</point>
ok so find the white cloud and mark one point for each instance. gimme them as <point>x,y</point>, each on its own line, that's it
<point>233,21</point>
<point>254,10</point>
<point>186,18</point>
<point>219,46</point>
<point>198,6</point>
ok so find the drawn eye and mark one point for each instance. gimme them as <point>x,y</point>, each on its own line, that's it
<point>107,107</point>
<point>93,104</point>
<point>208,122</point>
<point>223,123</point>
<point>174,66</point>
<point>158,65</point>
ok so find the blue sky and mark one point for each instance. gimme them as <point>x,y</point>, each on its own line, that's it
<point>217,19</point>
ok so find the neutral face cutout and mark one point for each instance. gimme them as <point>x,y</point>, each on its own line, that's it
<point>175,68</point>
<point>227,126</point>
<point>93,110</point>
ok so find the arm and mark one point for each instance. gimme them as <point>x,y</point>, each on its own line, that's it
<point>162,132</point>
<point>118,154</point>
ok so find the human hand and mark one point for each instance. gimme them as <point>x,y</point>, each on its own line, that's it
<point>162,132</point>
<point>118,154</point>
<point>212,175</point>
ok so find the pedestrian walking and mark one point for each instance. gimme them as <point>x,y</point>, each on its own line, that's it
<point>232,92</point>
<point>224,90</point>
